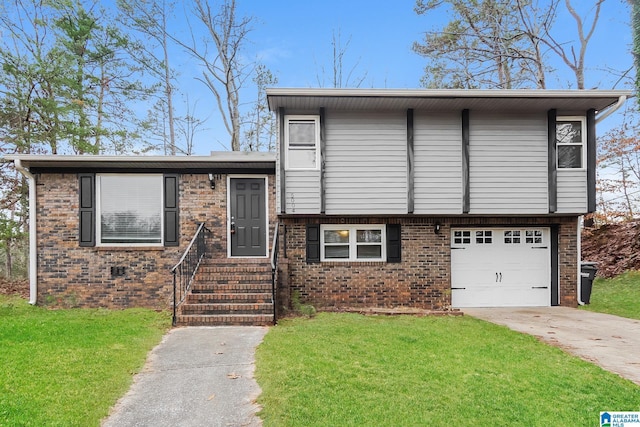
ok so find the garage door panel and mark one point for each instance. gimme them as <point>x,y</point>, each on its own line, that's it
<point>493,267</point>
<point>486,297</point>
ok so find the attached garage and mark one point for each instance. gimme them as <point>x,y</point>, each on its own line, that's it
<point>501,267</point>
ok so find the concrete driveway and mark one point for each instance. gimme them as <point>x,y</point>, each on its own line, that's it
<point>197,376</point>
<point>611,342</point>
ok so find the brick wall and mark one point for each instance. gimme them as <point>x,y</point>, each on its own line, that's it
<point>70,275</point>
<point>422,279</point>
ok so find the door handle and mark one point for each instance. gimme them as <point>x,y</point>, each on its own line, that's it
<point>500,277</point>
<point>233,226</point>
<point>496,277</point>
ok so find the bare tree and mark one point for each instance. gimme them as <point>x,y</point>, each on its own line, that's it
<point>635,23</point>
<point>567,51</point>
<point>220,54</point>
<point>259,122</point>
<point>619,170</point>
<point>341,76</point>
<point>501,44</point>
<point>150,19</point>
<point>485,44</point>
<point>188,126</point>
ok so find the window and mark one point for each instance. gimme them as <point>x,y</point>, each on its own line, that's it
<point>129,209</point>
<point>570,140</point>
<point>353,242</point>
<point>302,137</point>
<point>462,237</point>
<point>534,236</point>
<point>484,237</point>
<point>512,236</point>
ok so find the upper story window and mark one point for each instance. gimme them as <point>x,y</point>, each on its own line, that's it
<point>353,242</point>
<point>302,139</point>
<point>570,140</point>
<point>129,209</point>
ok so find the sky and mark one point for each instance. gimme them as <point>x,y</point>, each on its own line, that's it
<point>293,39</point>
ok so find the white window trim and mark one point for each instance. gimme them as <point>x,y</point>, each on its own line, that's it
<point>353,245</point>
<point>288,119</point>
<point>98,215</point>
<point>583,132</point>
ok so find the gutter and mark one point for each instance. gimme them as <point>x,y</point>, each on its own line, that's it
<point>33,261</point>
<point>606,113</point>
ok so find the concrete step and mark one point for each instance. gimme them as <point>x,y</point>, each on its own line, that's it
<point>240,297</point>
<point>214,288</point>
<point>227,308</point>
<point>224,319</point>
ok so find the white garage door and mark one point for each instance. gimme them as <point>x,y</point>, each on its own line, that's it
<point>500,267</point>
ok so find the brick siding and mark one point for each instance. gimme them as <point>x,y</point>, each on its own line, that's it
<point>74,276</point>
<point>422,279</point>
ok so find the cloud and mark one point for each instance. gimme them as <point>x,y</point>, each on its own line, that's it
<point>273,54</point>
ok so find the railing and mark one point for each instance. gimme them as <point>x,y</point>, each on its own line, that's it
<point>185,270</point>
<point>274,267</point>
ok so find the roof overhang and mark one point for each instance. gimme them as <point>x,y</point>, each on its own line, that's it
<point>521,100</point>
<point>226,160</point>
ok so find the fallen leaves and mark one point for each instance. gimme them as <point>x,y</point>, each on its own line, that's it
<point>615,247</point>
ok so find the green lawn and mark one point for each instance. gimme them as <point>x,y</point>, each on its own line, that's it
<point>619,296</point>
<point>353,370</point>
<point>68,367</point>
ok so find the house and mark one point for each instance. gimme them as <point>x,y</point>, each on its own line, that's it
<point>435,198</point>
<point>386,198</point>
<point>109,230</point>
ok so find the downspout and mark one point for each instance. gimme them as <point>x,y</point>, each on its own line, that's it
<point>621,100</point>
<point>579,255</point>
<point>33,261</point>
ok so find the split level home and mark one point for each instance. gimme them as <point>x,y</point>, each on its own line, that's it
<point>432,199</point>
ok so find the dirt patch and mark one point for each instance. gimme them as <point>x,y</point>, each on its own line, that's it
<point>14,287</point>
<point>615,247</point>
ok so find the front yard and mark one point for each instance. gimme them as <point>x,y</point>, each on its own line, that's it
<point>68,367</point>
<point>352,370</point>
<point>619,296</point>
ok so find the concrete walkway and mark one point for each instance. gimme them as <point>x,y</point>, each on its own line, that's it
<point>611,342</point>
<point>197,376</point>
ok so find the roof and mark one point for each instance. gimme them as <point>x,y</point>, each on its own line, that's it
<point>443,99</point>
<point>227,160</point>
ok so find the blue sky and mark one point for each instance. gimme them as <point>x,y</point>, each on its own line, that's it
<point>293,39</point>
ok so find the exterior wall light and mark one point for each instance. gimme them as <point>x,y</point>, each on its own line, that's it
<point>212,181</point>
<point>436,228</point>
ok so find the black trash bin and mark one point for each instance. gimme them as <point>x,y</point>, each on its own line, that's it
<point>587,275</point>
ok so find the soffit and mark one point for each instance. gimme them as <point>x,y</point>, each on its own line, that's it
<point>439,100</point>
<point>227,161</point>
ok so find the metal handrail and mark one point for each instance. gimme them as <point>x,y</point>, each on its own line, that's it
<point>185,270</point>
<point>274,267</point>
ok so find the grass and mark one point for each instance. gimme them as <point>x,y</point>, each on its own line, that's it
<point>352,370</point>
<point>619,296</point>
<point>68,367</point>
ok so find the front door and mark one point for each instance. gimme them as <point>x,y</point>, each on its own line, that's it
<point>247,217</point>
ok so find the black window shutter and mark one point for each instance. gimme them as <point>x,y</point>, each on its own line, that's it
<point>87,204</point>
<point>171,210</point>
<point>313,243</point>
<point>394,243</point>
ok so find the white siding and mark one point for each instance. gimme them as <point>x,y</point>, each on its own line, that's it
<point>366,162</point>
<point>437,163</point>
<point>572,191</point>
<point>302,192</point>
<point>508,164</point>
